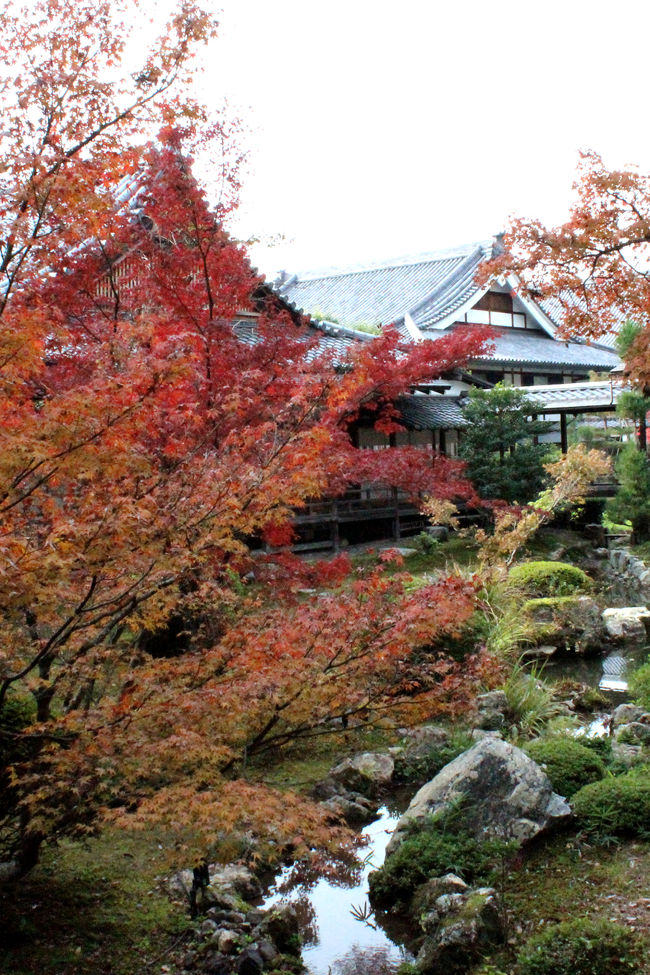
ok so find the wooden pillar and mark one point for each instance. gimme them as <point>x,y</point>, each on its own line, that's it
<point>335,527</point>
<point>443,442</point>
<point>564,440</point>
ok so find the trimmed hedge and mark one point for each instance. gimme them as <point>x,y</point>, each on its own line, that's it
<point>568,764</point>
<point>549,578</point>
<point>616,806</point>
<point>581,947</point>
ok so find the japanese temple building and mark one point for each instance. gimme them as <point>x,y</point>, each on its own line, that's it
<point>432,294</point>
<point>429,296</point>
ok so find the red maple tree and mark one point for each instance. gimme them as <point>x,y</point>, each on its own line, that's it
<point>593,267</point>
<point>142,445</point>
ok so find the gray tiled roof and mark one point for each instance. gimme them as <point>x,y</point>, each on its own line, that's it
<point>429,286</point>
<point>587,395</point>
<point>533,348</point>
<point>457,289</point>
<point>332,339</point>
<point>431,412</point>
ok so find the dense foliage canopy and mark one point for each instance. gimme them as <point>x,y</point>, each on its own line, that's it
<point>144,446</point>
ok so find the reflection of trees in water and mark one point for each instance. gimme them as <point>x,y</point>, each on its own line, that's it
<point>367,961</point>
<point>341,870</point>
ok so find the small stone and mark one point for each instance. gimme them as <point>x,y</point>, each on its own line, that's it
<point>268,952</point>
<point>227,941</point>
<point>492,700</point>
<point>250,962</point>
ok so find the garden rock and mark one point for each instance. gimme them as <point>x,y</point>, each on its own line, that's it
<point>281,926</point>
<point>366,772</point>
<point>460,927</point>
<point>354,811</point>
<point>573,623</point>
<point>625,713</point>
<point>492,708</point>
<point>250,962</point>
<point>426,734</point>
<point>427,894</point>
<point>626,624</point>
<point>634,733</point>
<point>543,652</point>
<point>213,963</point>
<point>227,941</point>
<point>627,755</point>
<point>492,701</point>
<point>504,795</point>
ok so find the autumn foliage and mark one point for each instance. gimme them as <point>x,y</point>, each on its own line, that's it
<point>144,446</point>
<point>594,267</point>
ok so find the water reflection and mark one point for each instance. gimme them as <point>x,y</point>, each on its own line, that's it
<point>340,934</point>
<point>615,669</point>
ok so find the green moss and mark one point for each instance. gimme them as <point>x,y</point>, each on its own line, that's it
<point>640,686</point>
<point>581,947</point>
<point>549,578</point>
<point>441,846</point>
<point>421,763</point>
<point>568,764</point>
<point>86,905</point>
<point>616,806</point>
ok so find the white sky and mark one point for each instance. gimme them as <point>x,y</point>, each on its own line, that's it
<point>378,129</point>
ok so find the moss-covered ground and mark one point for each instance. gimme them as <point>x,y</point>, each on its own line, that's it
<point>567,878</point>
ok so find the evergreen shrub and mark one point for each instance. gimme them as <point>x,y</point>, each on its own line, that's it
<point>435,849</point>
<point>581,947</point>
<point>568,764</point>
<point>600,744</point>
<point>616,806</point>
<point>549,578</point>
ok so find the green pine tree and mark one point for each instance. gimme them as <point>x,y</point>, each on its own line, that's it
<point>632,501</point>
<point>499,444</point>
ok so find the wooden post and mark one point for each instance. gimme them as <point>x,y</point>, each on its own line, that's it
<point>335,526</point>
<point>564,440</point>
<point>396,523</point>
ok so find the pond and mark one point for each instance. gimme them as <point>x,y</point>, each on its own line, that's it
<point>608,673</point>
<point>340,934</point>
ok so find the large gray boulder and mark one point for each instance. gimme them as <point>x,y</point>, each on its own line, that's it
<point>504,795</point>
<point>627,624</point>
